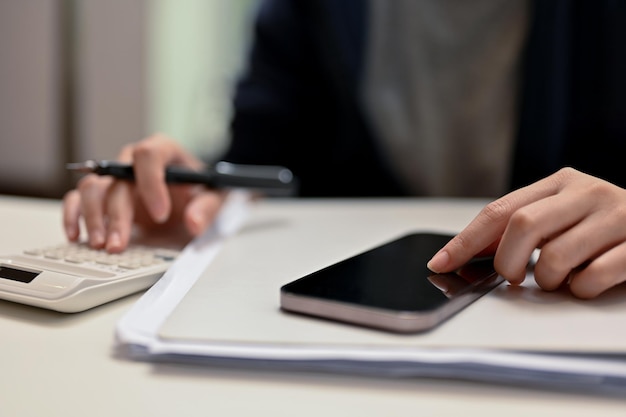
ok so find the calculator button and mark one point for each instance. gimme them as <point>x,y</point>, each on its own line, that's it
<point>98,262</point>
<point>129,265</point>
<point>54,265</point>
<point>166,255</point>
<point>106,261</point>
<point>151,261</point>
<point>75,259</point>
<point>53,255</point>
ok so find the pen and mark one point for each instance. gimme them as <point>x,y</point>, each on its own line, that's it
<point>269,179</point>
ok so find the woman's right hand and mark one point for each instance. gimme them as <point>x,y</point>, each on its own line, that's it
<point>110,207</point>
<point>577,220</point>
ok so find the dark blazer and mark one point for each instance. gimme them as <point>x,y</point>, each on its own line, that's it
<point>298,103</point>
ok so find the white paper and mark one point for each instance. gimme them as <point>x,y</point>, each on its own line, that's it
<point>139,327</point>
<point>140,333</point>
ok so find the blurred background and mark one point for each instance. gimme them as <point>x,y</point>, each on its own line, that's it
<point>80,78</point>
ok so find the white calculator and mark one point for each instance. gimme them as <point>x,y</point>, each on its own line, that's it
<point>73,277</point>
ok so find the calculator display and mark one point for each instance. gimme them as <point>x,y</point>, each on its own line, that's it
<point>17,274</point>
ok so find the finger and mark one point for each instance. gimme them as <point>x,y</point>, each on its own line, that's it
<point>202,211</point>
<point>150,159</point>
<point>92,195</point>
<point>489,225</point>
<point>120,212</point>
<point>602,273</point>
<point>71,215</point>
<point>532,226</point>
<point>489,250</point>
<point>149,166</point>
<point>566,252</point>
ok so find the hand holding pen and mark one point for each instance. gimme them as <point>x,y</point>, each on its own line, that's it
<point>114,196</point>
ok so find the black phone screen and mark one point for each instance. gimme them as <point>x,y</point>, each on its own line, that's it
<point>392,277</point>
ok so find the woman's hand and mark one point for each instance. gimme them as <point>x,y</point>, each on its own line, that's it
<point>110,207</point>
<point>578,221</point>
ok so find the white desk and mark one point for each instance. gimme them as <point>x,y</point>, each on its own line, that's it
<point>53,364</point>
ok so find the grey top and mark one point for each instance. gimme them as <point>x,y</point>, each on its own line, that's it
<point>441,87</point>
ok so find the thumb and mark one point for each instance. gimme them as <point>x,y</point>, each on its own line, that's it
<point>202,211</point>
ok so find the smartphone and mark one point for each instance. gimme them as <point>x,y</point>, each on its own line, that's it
<point>390,288</point>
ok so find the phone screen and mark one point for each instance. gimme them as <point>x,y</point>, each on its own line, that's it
<point>390,286</point>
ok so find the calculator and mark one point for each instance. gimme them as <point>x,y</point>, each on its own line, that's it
<point>73,277</point>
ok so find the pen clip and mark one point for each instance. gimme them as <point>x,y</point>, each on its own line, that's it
<point>270,179</point>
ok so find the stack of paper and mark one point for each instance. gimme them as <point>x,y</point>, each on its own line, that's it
<point>219,304</point>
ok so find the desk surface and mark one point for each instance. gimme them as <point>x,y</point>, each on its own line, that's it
<point>58,364</point>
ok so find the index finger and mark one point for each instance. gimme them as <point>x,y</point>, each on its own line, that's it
<point>489,225</point>
<point>150,158</point>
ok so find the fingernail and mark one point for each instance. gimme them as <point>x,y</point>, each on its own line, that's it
<point>159,213</point>
<point>114,242</point>
<point>96,238</point>
<point>196,222</point>
<point>71,233</point>
<point>439,261</point>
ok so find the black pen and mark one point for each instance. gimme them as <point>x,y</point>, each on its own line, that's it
<point>268,179</point>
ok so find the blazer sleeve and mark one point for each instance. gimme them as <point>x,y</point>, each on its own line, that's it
<point>282,91</point>
<point>298,102</point>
